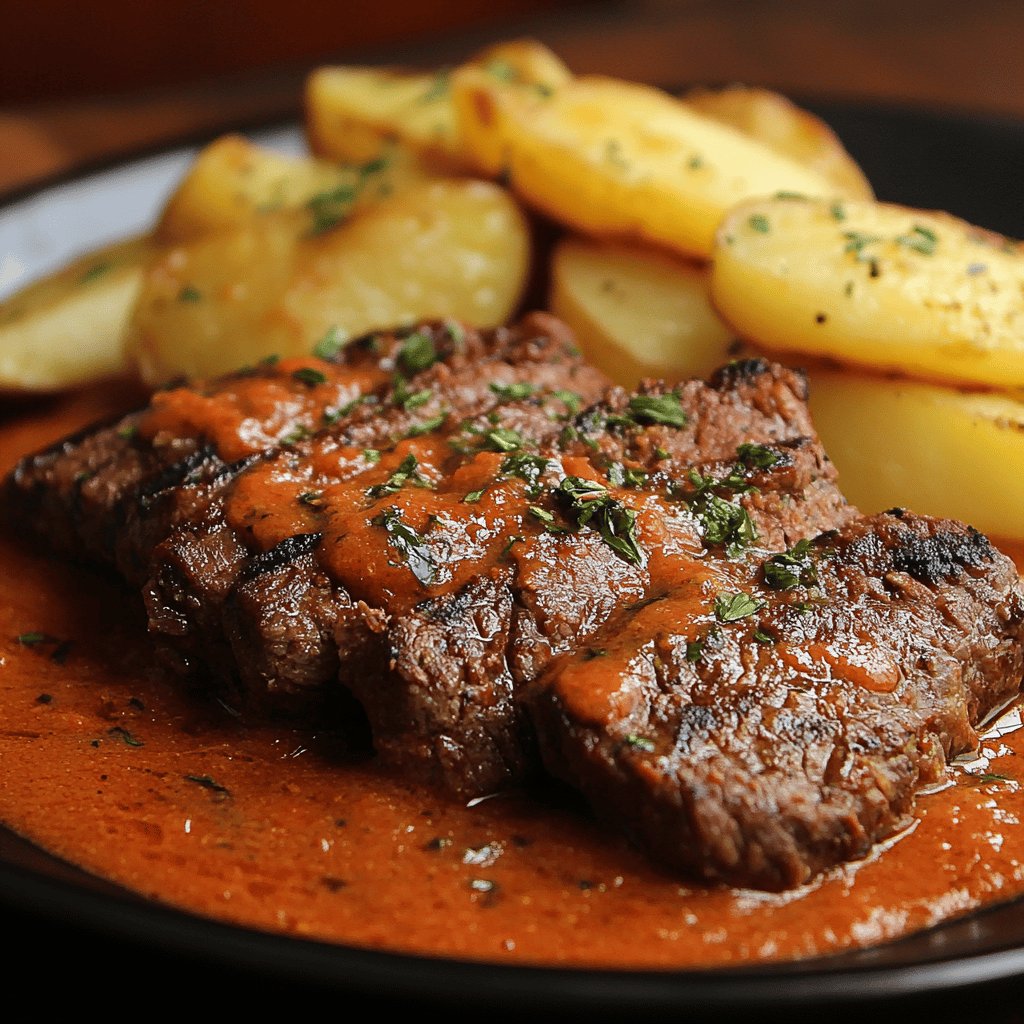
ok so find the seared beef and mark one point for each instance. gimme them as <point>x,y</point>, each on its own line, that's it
<point>662,595</point>
<point>754,735</point>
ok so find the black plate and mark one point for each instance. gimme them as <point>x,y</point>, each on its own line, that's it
<point>68,928</point>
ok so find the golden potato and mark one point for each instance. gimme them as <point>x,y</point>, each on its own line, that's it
<point>786,128</point>
<point>352,113</point>
<point>638,312</point>
<point>233,180</point>
<point>924,446</point>
<point>67,329</point>
<point>876,285</point>
<point>619,160</point>
<point>457,249</point>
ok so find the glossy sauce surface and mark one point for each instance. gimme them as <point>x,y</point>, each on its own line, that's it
<point>105,764</point>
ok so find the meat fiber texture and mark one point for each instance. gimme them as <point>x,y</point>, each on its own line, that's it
<point>660,597</point>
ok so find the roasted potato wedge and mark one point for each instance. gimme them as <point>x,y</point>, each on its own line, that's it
<point>446,248</point>
<point>786,128</point>
<point>619,160</point>
<point>233,180</point>
<point>638,312</point>
<point>353,112</point>
<point>924,446</point>
<point>67,330</point>
<point>875,285</point>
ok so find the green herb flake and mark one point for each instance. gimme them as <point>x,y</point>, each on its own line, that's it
<point>641,743</point>
<point>314,499</point>
<point>406,473</point>
<point>417,353</point>
<point>517,538</point>
<point>309,376</point>
<point>572,400</point>
<point>209,784</point>
<point>409,544</point>
<point>330,207</point>
<point>662,454</point>
<point>330,344</point>
<point>426,426</point>
<point>759,222</point>
<point>513,392</point>
<point>920,240</point>
<point>696,162</point>
<point>763,636</point>
<point>757,456</point>
<point>456,332</point>
<point>733,607</point>
<point>664,409</point>
<point>440,86</point>
<point>371,455</point>
<point>95,271</point>
<point>792,569</point>
<point>299,432</point>
<point>472,497</point>
<point>838,212</point>
<point>190,293</point>
<point>723,523</point>
<point>34,638</point>
<point>589,503</point>
<point>503,440</point>
<point>119,732</point>
<point>128,432</point>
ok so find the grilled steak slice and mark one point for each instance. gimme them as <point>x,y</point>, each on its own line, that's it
<point>235,589</point>
<point>449,705</point>
<point>753,735</point>
<point>97,495</point>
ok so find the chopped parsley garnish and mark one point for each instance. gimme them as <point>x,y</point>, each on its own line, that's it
<point>763,636</point>
<point>330,344</point>
<point>502,440</point>
<point>406,473</point>
<point>757,456</point>
<point>96,270</point>
<point>417,353</point>
<point>665,409</point>
<point>299,432</point>
<point>472,497</point>
<point>207,783</point>
<point>190,293</point>
<point>513,392</point>
<point>589,503</point>
<point>439,86</point>
<point>733,607</point>
<point>723,523</point>
<point>858,241</point>
<point>331,416</point>
<point>371,455</point>
<point>794,568</point>
<point>838,211</point>
<point>527,467</point>
<point>308,376</point>
<point>119,732</point>
<point>624,476</point>
<point>330,207</point>
<point>572,400</point>
<point>759,222</point>
<point>517,538</point>
<point>410,545</point>
<point>919,239</point>
<point>456,332</point>
<point>408,400</point>
<point>314,499</point>
<point>640,743</point>
<point>426,426</point>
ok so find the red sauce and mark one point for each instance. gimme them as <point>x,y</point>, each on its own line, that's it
<point>109,767</point>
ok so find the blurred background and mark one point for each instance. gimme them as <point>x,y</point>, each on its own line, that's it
<point>82,82</point>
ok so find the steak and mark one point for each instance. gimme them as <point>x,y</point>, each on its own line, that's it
<point>660,596</point>
<point>771,717</point>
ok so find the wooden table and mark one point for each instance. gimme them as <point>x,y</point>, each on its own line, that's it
<point>931,53</point>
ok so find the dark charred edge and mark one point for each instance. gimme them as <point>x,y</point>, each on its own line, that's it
<point>740,371</point>
<point>66,445</point>
<point>186,470</point>
<point>943,556</point>
<point>280,555</point>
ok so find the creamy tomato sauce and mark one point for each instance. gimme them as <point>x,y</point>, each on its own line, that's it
<point>105,764</point>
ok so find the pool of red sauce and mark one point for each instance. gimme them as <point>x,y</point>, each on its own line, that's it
<point>105,765</point>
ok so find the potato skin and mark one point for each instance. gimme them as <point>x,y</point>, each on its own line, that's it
<point>874,285</point>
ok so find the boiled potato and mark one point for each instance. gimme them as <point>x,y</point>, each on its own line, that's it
<point>271,287</point>
<point>619,160</point>
<point>353,112</point>
<point>66,330</point>
<point>638,312</point>
<point>875,285</point>
<point>924,446</point>
<point>233,180</point>
<point>786,128</point>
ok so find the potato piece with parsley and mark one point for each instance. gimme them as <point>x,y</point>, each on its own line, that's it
<point>876,285</point>
<point>927,447</point>
<point>234,180</point>
<point>278,285</point>
<point>67,330</point>
<point>638,312</point>
<point>619,160</point>
<point>786,128</point>
<point>353,113</point>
